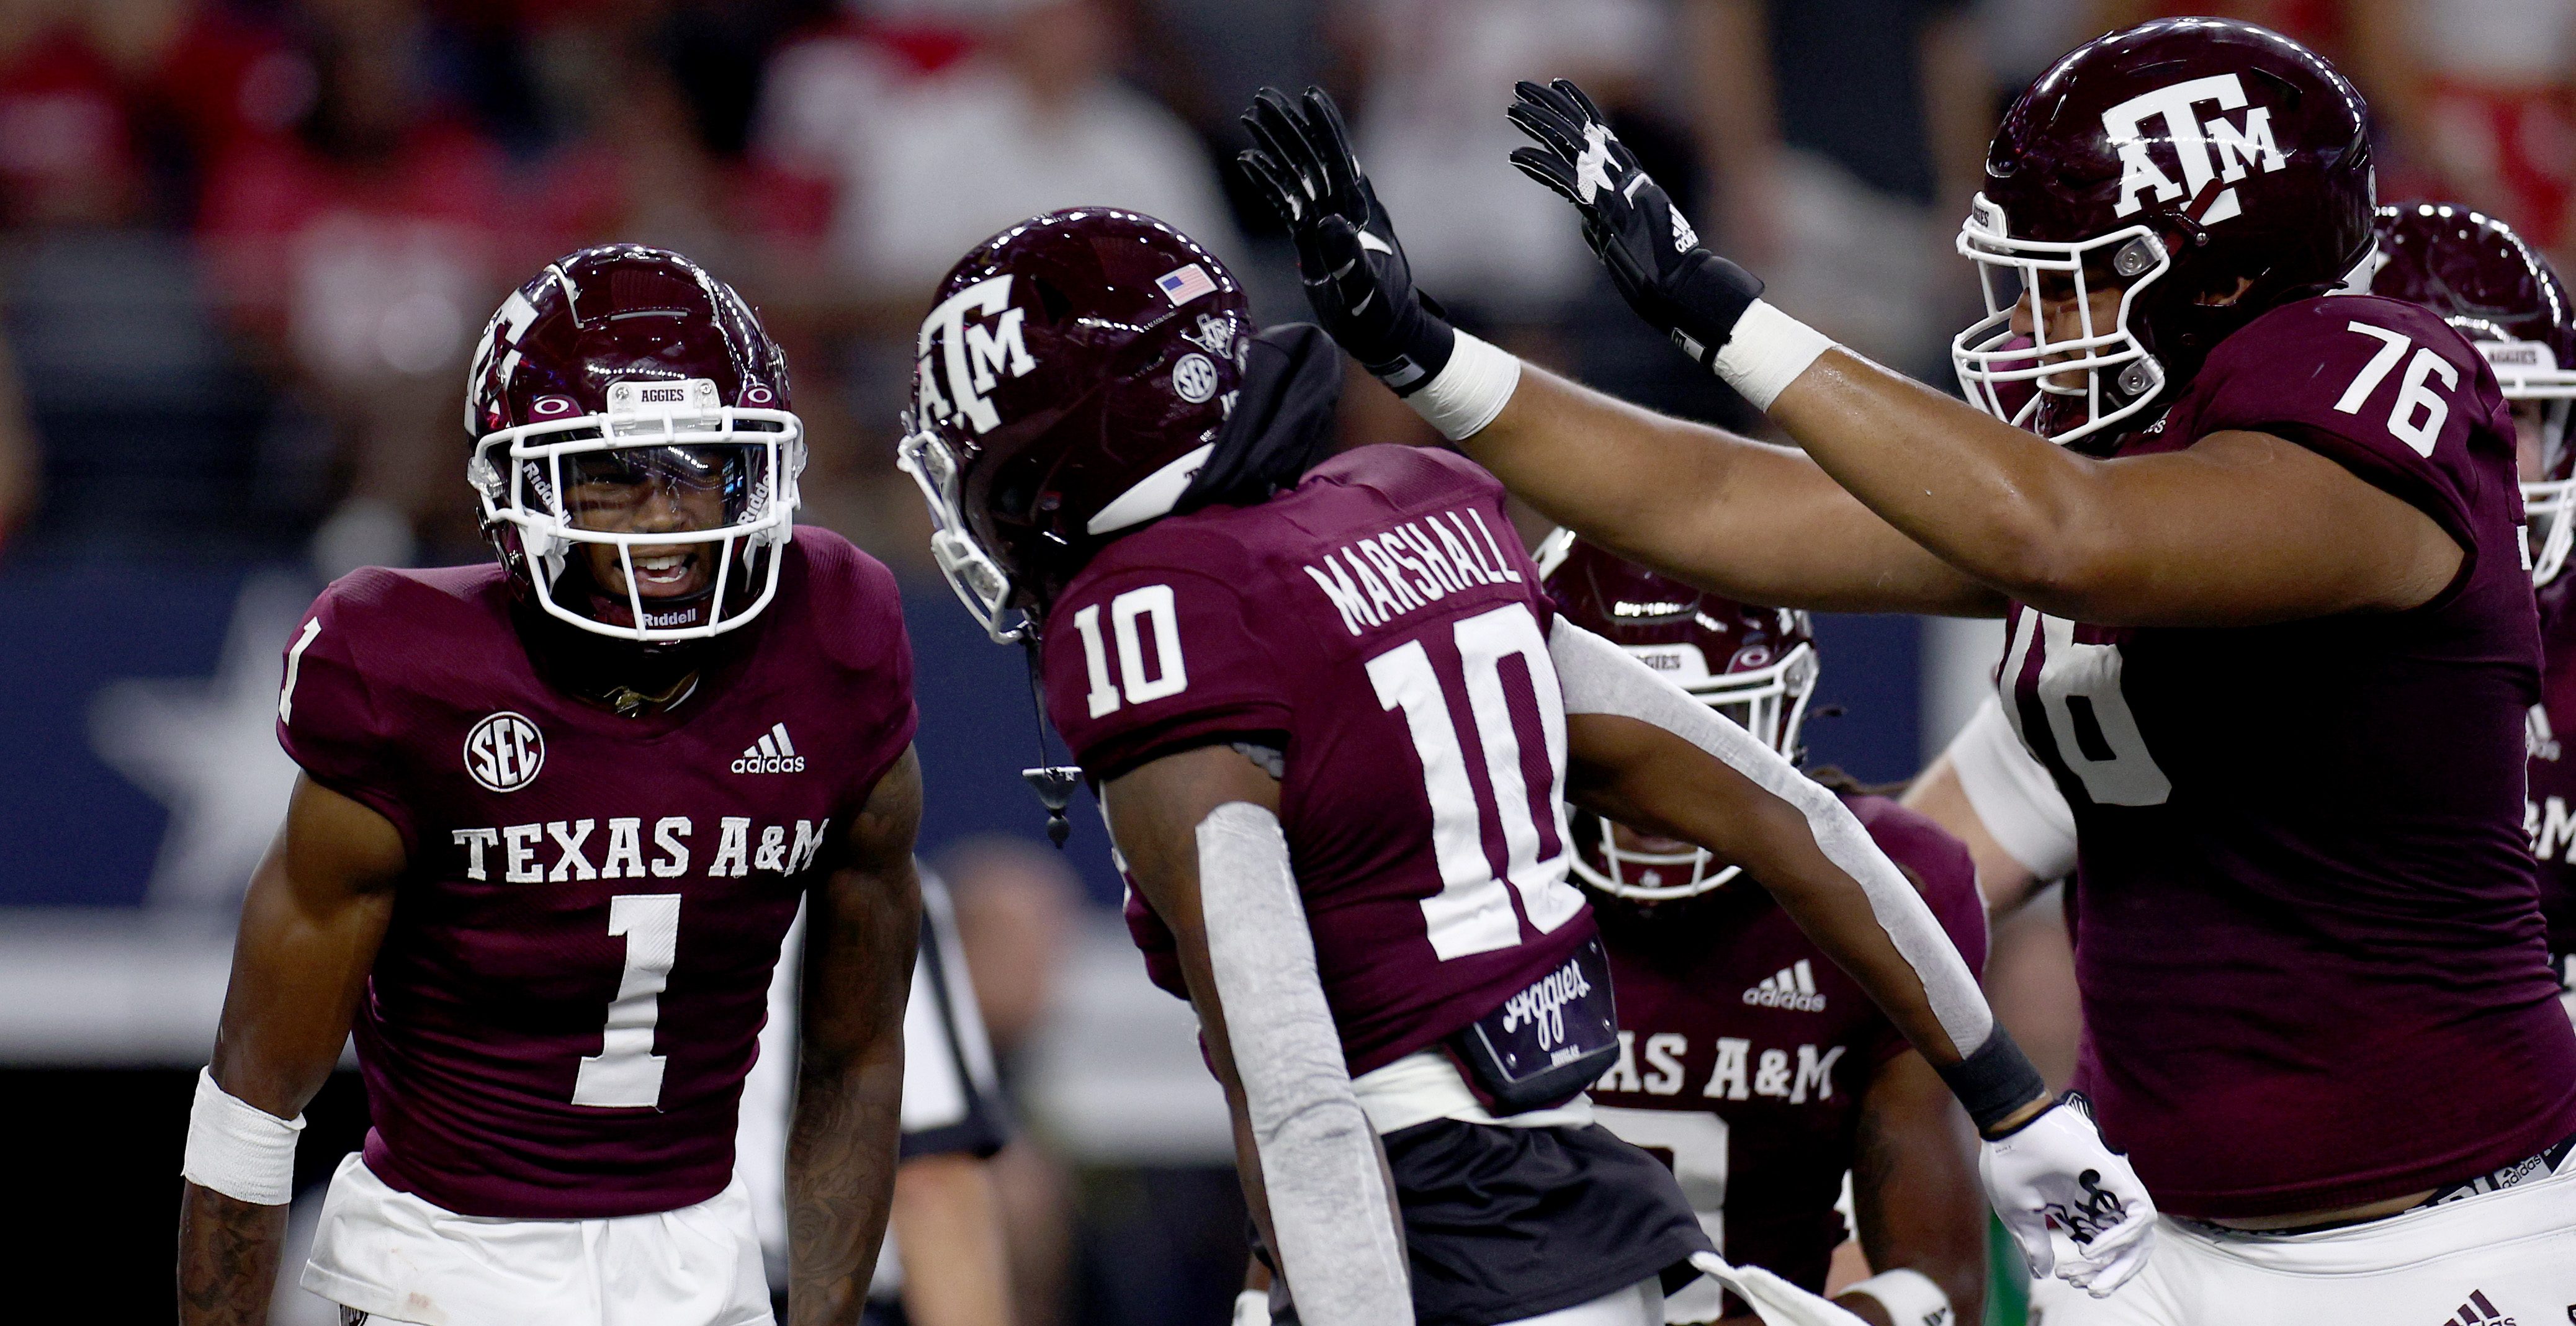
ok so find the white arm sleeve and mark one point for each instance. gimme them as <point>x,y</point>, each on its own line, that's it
<point>1328,1201</point>
<point>2013,795</point>
<point>1599,677</point>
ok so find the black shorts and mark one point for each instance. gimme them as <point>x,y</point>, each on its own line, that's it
<point>1506,1223</point>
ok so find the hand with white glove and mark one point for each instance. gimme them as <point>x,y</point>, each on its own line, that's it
<point>2072,1203</point>
<point>1776,1301</point>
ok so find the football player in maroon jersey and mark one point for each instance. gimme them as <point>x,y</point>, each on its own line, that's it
<point>1745,1056</point>
<point>1261,655</point>
<point>2504,296</point>
<point>2487,282</point>
<point>2277,531</point>
<point>2483,279</point>
<point>554,818</point>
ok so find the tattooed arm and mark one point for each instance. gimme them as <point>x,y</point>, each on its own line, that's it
<point>310,925</point>
<point>862,925</point>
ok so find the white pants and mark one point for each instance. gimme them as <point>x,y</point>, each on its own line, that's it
<point>2513,1251</point>
<point>400,1259</point>
<point>1640,1304</point>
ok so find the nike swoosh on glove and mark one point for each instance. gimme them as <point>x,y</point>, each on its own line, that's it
<point>1654,256</point>
<point>1776,1301</point>
<point>2071,1202</point>
<point>1353,267</point>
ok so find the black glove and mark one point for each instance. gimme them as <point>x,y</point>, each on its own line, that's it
<point>1654,257</point>
<point>1355,274</point>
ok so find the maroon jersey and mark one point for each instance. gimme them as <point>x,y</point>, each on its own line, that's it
<point>1753,1050</point>
<point>2303,893</point>
<point>2549,805</point>
<point>1383,629</point>
<point>573,983</point>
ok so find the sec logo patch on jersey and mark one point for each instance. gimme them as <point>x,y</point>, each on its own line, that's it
<point>504,752</point>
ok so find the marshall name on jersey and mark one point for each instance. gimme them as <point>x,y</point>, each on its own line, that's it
<point>1744,1051</point>
<point>1383,629</point>
<point>570,992</point>
<point>2312,966</point>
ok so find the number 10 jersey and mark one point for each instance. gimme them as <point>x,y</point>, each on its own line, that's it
<point>1383,629</point>
<point>570,993</point>
<point>2306,928</point>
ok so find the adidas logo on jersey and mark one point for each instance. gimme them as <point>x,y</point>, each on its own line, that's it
<point>1792,987</point>
<point>2478,1312</point>
<point>2537,739</point>
<point>773,753</point>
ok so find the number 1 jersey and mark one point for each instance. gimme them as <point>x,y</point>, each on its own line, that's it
<point>1383,629</point>
<point>570,993</point>
<point>2305,923</point>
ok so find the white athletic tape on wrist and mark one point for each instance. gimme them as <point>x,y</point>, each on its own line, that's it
<point>1910,1297</point>
<point>1767,352</point>
<point>1601,678</point>
<point>1473,387</point>
<point>238,1149</point>
<point>1319,1161</point>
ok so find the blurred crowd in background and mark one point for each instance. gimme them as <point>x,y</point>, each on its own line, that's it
<point>245,246</point>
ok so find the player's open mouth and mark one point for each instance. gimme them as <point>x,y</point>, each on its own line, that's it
<point>662,573</point>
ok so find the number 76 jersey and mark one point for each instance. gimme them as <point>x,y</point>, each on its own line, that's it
<point>1381,627</point>
<point>2307,935</point>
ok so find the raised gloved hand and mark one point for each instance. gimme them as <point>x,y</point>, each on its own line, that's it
<point>1354,269</point>
<point>1654,257</point>
<point>2072,1203</point>
<point>1776,1301</point>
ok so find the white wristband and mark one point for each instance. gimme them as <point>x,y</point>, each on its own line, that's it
<point>1473,387</point>
<point>1910,1297</point>
<point>238,1149</point>
<point>1767,352</point>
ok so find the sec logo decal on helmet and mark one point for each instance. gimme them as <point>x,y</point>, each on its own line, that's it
<point>2208,170</point>
<point>1069,383</point>
<point>633,450</point>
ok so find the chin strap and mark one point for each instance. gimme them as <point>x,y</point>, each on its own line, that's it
<point>1054,783</point>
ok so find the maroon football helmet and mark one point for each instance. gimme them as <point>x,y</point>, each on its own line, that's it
<point>2209,169</point>
<point>1071,379</point>
<point>1755,665</point>
<point>2483,279</point>
<point>626,399</point>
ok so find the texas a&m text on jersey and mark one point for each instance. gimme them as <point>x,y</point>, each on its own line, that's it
<point>555,815</point>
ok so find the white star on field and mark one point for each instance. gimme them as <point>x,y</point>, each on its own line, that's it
<point>207,749</point>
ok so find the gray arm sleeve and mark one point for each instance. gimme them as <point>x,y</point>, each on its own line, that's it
<point>1601,678</point>
<point>1319,1161</point>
